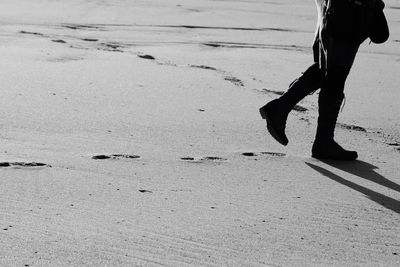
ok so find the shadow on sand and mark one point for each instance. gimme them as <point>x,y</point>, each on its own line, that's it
<point>366,171</point>
<point>363,170</point>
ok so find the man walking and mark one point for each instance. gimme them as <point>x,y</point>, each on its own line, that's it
<point>342,26</point>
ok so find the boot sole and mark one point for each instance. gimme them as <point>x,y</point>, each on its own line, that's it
<point>271,130</point>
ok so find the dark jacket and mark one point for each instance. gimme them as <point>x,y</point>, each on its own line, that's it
<point>352,21</point>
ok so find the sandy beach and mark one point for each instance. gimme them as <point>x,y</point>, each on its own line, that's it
<point>130,136</point>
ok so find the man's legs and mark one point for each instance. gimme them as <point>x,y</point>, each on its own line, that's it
<point>340,58</point>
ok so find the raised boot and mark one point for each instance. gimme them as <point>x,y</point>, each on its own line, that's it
<point>276,111</point>
<point>324,146</point>
<point>276,115</point>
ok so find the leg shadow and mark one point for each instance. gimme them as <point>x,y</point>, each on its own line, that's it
<point>364,170</point>
<point>385,201</point>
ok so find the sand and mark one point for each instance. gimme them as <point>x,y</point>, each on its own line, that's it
<point>130,136</point>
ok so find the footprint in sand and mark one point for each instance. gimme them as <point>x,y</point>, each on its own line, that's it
<point>299,108</point>
<point>274,154</point>
<point>306,120</point>
<point>81,27</point>
<point>204,159</point>
<point>115,156</point>
<point>150,57</point>
<point>227,77</point>
<point>234,80</point>
<point>145,191</point>
<point>395,145</point>
<point>264,90</point>
<point>255,154</point>
<point>249,154</point>
<point>33,33</point>
<point>212,44</point>
<point>202,67</point>
<point>90,40</point>
<point>59,41</point>
<point>113,47</point>
<point>6,164</point>
<point>352,127</point>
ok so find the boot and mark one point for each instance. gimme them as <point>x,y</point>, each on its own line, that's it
<point>324,146</point>
<point>276,111</point>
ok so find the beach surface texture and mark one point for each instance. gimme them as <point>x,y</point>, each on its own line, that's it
<point>130,136</point>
